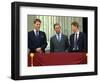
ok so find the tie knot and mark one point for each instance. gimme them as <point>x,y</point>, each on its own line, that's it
<point>37,31</point>
<point>58,34</point>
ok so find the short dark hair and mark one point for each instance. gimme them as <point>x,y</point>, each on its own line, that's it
<point>56,24</point>
<point>75,24</point>
<point>37,20</point>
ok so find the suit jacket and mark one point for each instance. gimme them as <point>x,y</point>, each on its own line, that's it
<point>56,46</point>
<point>34,42</point>
<point>81,43</point>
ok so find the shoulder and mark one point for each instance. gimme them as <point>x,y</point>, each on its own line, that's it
<point>53,36</point>
<point>64,35</point>
<point>72,35</point>
<point>42,32</point>
<point>30,32</point>
<point>82,33</point>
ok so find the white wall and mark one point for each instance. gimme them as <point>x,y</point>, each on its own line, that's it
<point>5,40</point>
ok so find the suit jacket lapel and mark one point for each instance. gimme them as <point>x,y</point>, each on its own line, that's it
<point>34,36</point>
<point>41,35</point>
<point>73,38</point>
<point>55,37</point>
<point>62,37</point>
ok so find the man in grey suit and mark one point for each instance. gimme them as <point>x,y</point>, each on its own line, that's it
<point>58,42</point>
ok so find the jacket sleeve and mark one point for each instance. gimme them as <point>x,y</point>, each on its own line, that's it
<point>44,45</point>
<point>70,44</point>
<point>30,46</point>
<point>67,43</point>
<point>84,43</point>
<point>51,45</point>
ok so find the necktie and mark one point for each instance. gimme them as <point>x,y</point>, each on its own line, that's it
<point>75,41</point>
<point>58,37</point>
<point>37,38</point>
<point>37,34</point>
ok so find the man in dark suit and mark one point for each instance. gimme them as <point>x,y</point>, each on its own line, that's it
<point>37,41</point>
<point>58,42</point>
<point>77,39</point>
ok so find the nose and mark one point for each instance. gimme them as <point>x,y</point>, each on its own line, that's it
<point>38,25</point>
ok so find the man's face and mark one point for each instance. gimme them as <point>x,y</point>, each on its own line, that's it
<point>37,25</point>
<point>57,29</point>
<point>74,28</point>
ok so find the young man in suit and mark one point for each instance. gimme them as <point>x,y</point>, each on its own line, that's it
<point>58,42</point>
<point>77,39</point>
<point>37,41</point>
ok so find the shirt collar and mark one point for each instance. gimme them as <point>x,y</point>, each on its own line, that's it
<point>77,32</point>
<point>59,34</point>
<point>35,30</point>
